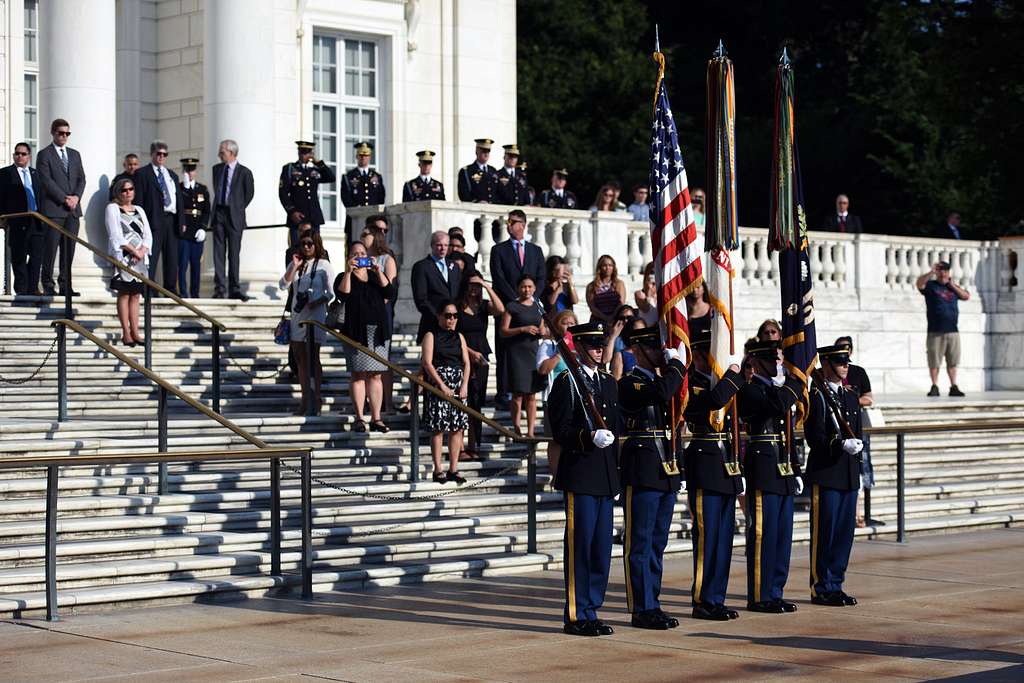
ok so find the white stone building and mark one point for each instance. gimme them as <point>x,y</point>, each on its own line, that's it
<point>404,74</point>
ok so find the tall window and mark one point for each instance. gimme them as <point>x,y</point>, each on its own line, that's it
<point>32,73</point>
<point>346,106</point>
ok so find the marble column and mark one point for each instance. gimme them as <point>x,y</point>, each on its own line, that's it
<point>238,46</point>
<point>77,82</point>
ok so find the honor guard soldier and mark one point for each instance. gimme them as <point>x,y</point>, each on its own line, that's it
<point>195,217</point>
<point>532,191</point>
<point>713,476</point>
<point>423,187</point>
<point>834,436</point>
<point>772,474</point>
<point>589,477</point>
<point>558,197</point>
<point>476,181</point>
<point>510,185</point>
<point>648,470</point>
<point>362,186</point>
<point>297,190</point>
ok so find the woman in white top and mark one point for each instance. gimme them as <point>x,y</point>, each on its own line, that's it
<point>309,277</point>
<point>129,241</point>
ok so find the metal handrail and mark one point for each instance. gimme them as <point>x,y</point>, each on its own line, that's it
<point>216,326</point>
<point>530,441</point>
<point>945,428</point>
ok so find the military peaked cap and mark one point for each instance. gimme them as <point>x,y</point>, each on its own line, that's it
<point>767,349</point>
<point>648,336</point>
<point>589,334</point>
<point>834,354</point>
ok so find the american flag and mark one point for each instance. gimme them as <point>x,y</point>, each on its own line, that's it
<point>673,231</point>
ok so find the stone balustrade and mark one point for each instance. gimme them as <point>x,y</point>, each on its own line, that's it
<point>864,285</point>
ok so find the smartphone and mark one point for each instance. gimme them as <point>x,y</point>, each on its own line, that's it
<point>364,262</point>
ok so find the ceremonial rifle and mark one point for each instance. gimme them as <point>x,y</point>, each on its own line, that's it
<point>819,380</point>
<point>573,365</point>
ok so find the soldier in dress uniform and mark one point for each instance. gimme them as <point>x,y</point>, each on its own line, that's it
<point>476,181</point>
<point>510,184</point>
<point>532,191</point>
<point>423,187</point>
<point>558,197</point>
<point>195,219</point>
<point>362,186</point>
<point>649,471</point>
<point>713,476</point>
<point>297,190</point>
<point>833,471</point>
<point>588,475</point>
<point>772,474</point>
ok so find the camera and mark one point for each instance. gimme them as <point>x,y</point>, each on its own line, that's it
<point>301,299</point>
<point>364,262</point>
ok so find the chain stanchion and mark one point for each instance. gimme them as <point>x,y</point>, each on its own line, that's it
<point>24,380</point>
<point>233,360</point>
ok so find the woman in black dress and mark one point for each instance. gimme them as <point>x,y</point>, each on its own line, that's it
<point>523,326</point>
<point>364,289</point>
<point>475,314</point>
<point>446,365</point>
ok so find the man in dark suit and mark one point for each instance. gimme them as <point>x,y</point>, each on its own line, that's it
<point>510,260</point>
<point>20,187</point>
<point>232,192</point>
<point>951,230</point>
<point>435,280</point>
<point>510,184</point>
<point>842,220</point>
<point>156,191</point>
<point>62,168</point>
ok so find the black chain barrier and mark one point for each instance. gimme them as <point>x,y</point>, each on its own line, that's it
<point>233,360</point>
<point>8,380</point>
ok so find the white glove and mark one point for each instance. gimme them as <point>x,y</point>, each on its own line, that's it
<point>735,359</point>
<point>671,354</point>
<point>602,438</point>
<point>853,446</point>
<point>743,486</point>
<point>779,380</point>
<point>200,235</point>
<point>799,486</point>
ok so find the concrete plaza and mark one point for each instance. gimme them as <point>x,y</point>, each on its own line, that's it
<point>945,607</point>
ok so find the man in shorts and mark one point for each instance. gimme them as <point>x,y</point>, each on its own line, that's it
<point>942,297</point>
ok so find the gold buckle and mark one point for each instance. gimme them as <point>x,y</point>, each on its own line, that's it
<point>785,469</point>
<point>671,468</point>
<point>732,469</point>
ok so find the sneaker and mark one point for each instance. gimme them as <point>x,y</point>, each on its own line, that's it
<point>934,391</point>
<point>955,391</point>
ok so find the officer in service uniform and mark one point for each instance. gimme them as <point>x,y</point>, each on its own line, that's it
<point>649,471</point>
<point>423,187</point>
<point>773,476</point>
<point>195,219</point>
<point>530,188</point>
<point>558,197</point>
<point>510,184</point>
<point>713,477</point>
<point>833,472</point>
<point>476,181</point>
<point>362,186</point>
<point>297,190</point>
<point>589,477</point>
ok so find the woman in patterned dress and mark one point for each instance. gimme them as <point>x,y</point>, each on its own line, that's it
<point>446,365</point>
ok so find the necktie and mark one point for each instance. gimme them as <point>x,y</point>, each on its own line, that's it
<point>64,160</point>
<point>163,188</point>
<point>443,268</point>
<point>519,252</point>
<point>842,224</point>
<point>30,195</point>
<point>956,232</point>
<point>226,185</point>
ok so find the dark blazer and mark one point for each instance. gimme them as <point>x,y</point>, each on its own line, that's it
<point>429,289</point>
<point>583,467</point>
<point>60,184</point>
<point>763,407</point>
<point>241,192</point>
<point>827,463</point>
<point>853,224</point>
<point>511,190</point>
<point>12,193</point>
<point>506,271</point>
<point>705,459</point>
<point>640,399</point>
<point>151,199</point>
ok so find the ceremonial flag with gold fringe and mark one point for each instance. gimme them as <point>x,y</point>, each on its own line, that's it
<point>673,231</point>
<point>721,227</point>
<point>787,234</point>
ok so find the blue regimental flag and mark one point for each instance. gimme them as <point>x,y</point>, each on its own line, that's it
<point>787,233</point>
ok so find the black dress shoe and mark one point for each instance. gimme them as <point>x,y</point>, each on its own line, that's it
<point>786,605</point>
<point>710,613</point>
<point>848,600</point>
<point>239,296</point>
<point>581,628</point>
<point>765,607</point>
<point>603,629</point>
<point>731,613</point>
<point>829,600</point>
<point>218,296</point>
<point>74,293</point>
<point>51,291</point>
<point>650,620</point>
<point>671,621</point>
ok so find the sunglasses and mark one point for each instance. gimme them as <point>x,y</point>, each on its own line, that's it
<point>450,316</point>
<point>21,154</point>
<point>308,243</point>
<point>161,154</point>
<point>63,133</point>
<point>125,190</point>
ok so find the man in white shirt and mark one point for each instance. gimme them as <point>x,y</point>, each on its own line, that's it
<point>62,168</point>
<point>156,191</point>
<point>20,187</point>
